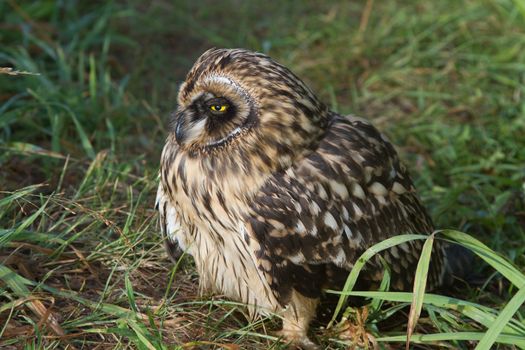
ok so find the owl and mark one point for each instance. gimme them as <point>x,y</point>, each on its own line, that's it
<point>275,196</point>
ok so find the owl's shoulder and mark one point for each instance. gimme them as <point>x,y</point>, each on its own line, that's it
<point>354,153</point>
<point>339,199</point>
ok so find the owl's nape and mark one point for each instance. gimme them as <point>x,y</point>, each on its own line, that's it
<point>275,196</point>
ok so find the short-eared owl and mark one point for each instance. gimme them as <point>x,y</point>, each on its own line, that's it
<point>275,196</point>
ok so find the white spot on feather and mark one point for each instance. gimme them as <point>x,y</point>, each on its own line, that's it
<point>395,252</point>
<point>358,191</point>
<point>368,173</point>
<point>315,208</point>
<point>340,258</point>
<point>381,200</point>
<point>378,189</point>
<point>300,227</point>
<point>339,189</point>
<point>392,173</point>
<point>405,247</point>
<point>322,193</point>
<point>348,232</point>
<point>358,212</point>
<point>297,207</point>
<point>297,259</point>
<point>345,213</point>
<point>329,221</point>
<point>398,188</point>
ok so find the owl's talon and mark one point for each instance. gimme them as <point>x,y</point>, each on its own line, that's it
<point>298,339</point>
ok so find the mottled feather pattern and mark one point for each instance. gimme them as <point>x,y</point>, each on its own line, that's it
<point>332,206</point>
<point>277,197</point>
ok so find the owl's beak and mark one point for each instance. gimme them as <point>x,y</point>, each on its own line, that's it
<point>187,130</point>
<point>179,126</point>
<point>180,135</point>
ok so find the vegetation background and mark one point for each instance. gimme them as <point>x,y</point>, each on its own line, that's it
<point>83,121</point>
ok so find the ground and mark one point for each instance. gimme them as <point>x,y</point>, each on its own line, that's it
<point>85,110</point>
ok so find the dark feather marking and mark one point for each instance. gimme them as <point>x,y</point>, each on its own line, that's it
<point>377,221</point>
<point>222,202</point>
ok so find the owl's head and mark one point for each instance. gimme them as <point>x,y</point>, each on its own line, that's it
<point>238,98</point>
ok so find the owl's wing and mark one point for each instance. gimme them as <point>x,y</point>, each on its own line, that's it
<point>169,223</point>
<point>316,218</point>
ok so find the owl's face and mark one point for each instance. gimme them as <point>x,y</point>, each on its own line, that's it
<point>218,111</point>
<point>238,95</point>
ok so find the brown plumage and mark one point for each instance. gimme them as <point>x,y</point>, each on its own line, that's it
<point>275,196</point>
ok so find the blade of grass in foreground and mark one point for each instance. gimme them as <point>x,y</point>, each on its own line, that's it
<point>478,313</point>
<point>14,281</point>
<point>465,336</point>
<point>376,304</point>
<point>360,263</point>
<point>142,335</point>
<point>17,284</point>
<point>420,283</point>
<point>10,234</point>
<point>18,194</point>
<point>130,293</point>
<point>501,321</point>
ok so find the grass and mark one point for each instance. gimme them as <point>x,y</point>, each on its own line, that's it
<point>81,263</point>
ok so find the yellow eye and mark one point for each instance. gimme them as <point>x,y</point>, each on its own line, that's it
<point>219,108</point>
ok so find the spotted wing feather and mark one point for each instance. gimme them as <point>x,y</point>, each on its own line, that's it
<point>315,219</point>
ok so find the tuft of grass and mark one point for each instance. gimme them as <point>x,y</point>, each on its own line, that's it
<point>81,264</point>
<point>500,326</point>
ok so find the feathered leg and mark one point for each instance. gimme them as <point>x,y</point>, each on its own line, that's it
<point>296,319</point>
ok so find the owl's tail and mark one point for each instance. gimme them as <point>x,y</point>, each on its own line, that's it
<point>461,266</point>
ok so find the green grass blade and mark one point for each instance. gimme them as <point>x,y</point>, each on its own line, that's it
<point>376,304</point>
<point>9,234</point>
<point>142,335</point>
<point>95,165</point>
<point>129,293</point>
<point>478,313</point>
<point>14,281</point>
<point>420,283</point>
<point>461,336</point>
<point>502,320</point>
<point>84,140</point>
<point>360,263</point>
<point>17,195</point>
<point>92,77</point>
